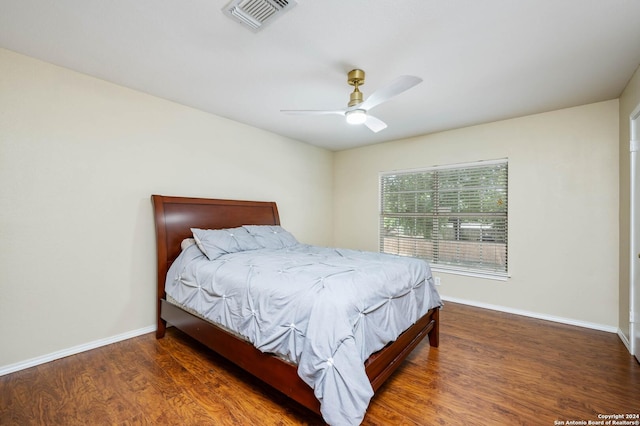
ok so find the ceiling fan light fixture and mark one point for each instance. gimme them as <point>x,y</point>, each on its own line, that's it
<point>356,116</point>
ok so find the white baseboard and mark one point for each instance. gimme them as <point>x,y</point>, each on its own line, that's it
<point>626,341</point>
<point>74,350</point>
<point>569,321</point>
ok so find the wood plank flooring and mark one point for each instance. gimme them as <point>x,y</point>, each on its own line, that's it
<point>491,368</point>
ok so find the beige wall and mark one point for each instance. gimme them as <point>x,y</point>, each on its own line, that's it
<point>563,207</point>
<point>79,159</point>
<point>629,100</point>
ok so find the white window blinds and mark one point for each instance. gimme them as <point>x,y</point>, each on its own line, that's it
<point>455,217</point>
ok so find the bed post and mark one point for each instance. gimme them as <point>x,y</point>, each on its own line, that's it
<point>162,324</point>
<point>434,334</point>
<point>161,251</point>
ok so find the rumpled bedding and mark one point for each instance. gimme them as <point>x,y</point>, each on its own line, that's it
<point>324,309</point>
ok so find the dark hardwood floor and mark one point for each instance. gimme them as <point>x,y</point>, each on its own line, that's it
<point>491,368</point>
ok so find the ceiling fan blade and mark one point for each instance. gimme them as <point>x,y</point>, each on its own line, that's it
<point>397,86</point>
<point>375,124</point>
<point>312,111</point>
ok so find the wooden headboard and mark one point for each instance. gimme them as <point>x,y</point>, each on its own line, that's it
<point>175,216</point>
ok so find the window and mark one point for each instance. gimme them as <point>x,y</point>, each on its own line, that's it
<point>455,217</point>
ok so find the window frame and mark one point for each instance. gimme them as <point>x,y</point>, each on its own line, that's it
<point>449,268</point>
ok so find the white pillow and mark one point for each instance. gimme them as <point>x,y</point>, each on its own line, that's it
<point>186,243</point>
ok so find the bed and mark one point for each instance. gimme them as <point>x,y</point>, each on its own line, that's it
<point>175,217</point>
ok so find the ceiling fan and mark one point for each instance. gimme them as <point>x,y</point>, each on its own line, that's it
<point>357,111</point>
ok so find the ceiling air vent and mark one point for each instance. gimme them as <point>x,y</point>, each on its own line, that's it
<point>255,14</point>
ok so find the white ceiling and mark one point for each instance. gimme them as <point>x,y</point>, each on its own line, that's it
<point>480,61</point>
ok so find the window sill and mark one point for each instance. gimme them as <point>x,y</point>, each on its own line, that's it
<point>469,273</point>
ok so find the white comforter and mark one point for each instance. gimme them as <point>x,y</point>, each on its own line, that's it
<point>324,309</point>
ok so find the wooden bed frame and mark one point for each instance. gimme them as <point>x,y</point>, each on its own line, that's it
<point>174,218</point>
